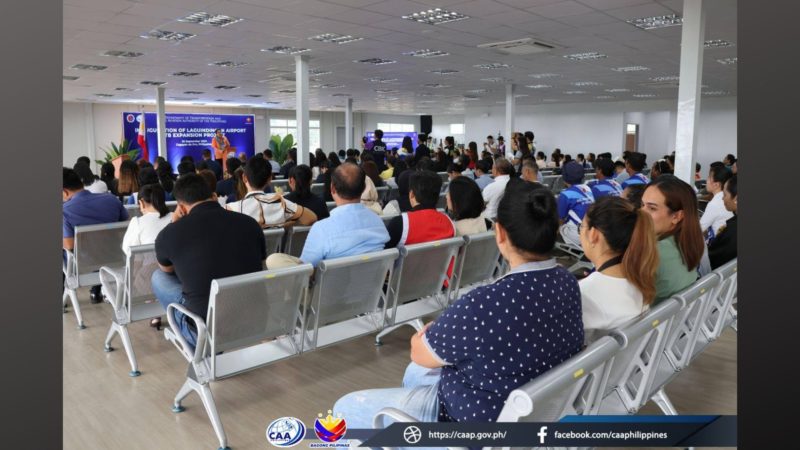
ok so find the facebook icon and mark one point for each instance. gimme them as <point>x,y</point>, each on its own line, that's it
<point>542,434</point>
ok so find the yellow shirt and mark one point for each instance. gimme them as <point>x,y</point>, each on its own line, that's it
<point>388,173</point>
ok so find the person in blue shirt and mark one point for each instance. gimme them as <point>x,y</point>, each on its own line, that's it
<point>81,207</point>
<point>604,184</point>
<point>483,171</point>
<point>573,202</point>
<point>495,338</point>
<point>351,229</point>
<point>634,165</point>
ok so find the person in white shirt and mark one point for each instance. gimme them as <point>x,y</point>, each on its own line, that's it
<point>493,192</point>
<point>270,210</point>
<point>90,182</point>
<point>620,241</point>
<point>154,217</point>
<point>276,168</point>
<point>541,160</point>
<point>715,215</point>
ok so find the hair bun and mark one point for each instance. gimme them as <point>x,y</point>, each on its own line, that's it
<point>537,203</point>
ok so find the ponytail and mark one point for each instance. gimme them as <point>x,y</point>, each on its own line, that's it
<point>640,260</point>
<point>154,195</point>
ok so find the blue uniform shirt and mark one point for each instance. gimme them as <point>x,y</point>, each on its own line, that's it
<point>573,202</point>
<point>637,178</point>
<point>498,337</point>
<point>602,188</point>
<point>351,229</point>
<point>85,208</point>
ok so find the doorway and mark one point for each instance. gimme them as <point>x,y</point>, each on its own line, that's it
<point>632,137</point>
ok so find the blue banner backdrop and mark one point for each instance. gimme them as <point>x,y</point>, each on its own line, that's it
<point>394,138</point>
<point>190,134</point>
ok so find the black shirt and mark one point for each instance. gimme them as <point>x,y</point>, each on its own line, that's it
<point>723,248</point>
<point>227,188</point>
<point>210,243</point>
<point>312,202</point>
<point>421,152</point>
<point>287,166</point>
<point>379,152</point>
<point>214,167</point>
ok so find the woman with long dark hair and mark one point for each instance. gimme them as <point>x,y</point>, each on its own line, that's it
<point>107,177</point>
<point>90,182</point>
<point>300,187</point>
<point>465,206</point>
<point>128,181</point>
<point>672,204</point>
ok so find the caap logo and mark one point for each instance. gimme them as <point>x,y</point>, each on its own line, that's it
<point>248,119</point>
<point>130,118</point>
<point>330,429</point>
<point>286,432</point>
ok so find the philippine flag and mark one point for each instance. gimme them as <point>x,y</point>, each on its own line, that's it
<point>140,138</point>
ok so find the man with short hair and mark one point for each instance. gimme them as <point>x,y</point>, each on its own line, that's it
<point>482,173</point>
<point>269,209</point>
<point>423,223</point>
<point>276,168</point>
<point>351,229</point>
<point>377,148</point>
<point>715,215</point>
<point>211,164</point>
<point>82,207</point>
<point>291,161</point>
<point>489,145</point>
<point>604,183</point>
<point>530,170</point>
<point>186,167</point>
<point>634,165</point>
<point>188,268</point>
<point>573,202</point>
<point>422,150</point>
<point>493,193</point>
<point>227,187</point>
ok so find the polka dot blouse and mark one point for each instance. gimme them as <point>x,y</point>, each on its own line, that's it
<point>501,336</point>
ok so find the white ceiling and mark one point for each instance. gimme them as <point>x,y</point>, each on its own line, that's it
<point>92,27</point>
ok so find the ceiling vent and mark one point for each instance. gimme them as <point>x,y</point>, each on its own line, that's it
<point>526,46</point>
<point>668,84</point>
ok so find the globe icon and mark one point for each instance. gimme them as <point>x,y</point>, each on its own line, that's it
<point>412,434</point>
<point>286,426</point>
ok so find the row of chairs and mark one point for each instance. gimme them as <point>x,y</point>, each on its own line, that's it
<point>620,372</point>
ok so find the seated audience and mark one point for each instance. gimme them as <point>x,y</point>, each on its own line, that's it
<point>389,172</point>
<point>154,217</point>
<point>536,305</point>
<point>227,187</point>
<point>673,206</point>
<point>573,202</point>
<point>659,168</point>
<point>351,229</point>
<point>620,175</point>
<point>211,180</point>
<point>454,170</point>
<point>128,182</point>
<point>697,175</point>
<point>541,160</point>
<point>621,243</point>
<point>371,169</point>
<point>465,206</point>
<point>493,193</point>
<point>90,182</point>
<point>186,167</point>
<point>422,223</point>
<point>300,187</point>
<point>633,194</point>
<point>147,175</point>
<point>82,207</point>
<point>634,166</point>
<point>483,170</point>
<point>604,183</point>
<point>716,213</point>
<point>530,171</point>
<point>370,197</point>
<point>190,259</point>
<point>107,176</point>
<point>291,161</point>
<point>270,210</point>
<point>729,161</point>
<point>723,247</point>
<point>211,164</point>
<point>276,168</point>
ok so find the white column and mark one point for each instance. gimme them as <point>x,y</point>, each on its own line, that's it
<point>162,121</point>
<point>691,75</point>
<point>510,112</point>
<point>301,109</point>
<point>348,124</point>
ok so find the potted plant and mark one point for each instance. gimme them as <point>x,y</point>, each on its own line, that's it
<point>118,153</point>
<point>280,147</point>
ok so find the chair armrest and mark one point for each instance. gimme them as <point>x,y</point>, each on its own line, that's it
<point>192,355</point>
<point>70,277</point>
<point>116,275</point>
<point>392,413</point>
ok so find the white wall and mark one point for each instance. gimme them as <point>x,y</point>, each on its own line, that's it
<point>599,127</point>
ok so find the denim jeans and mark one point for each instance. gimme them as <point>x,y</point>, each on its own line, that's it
<point>168,289</point>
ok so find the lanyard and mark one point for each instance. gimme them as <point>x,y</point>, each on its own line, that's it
<point>610,263</point>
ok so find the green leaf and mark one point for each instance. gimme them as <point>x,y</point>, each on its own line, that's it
<point>288,140</point>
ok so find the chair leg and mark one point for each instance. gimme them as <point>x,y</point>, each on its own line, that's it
<point>73,296</point>
<point>126,342</point>
<point>416,323</point>
<point>663,402</point>
<point>211,409</point>
<point>112,331</point>
<point>185,390</point>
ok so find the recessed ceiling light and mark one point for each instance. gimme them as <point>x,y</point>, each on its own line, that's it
<point>285,91</point>
<point>550,100</point>
<point>585,56</point>
<point>665,78</point>
<point>585,83</point>
<point>426,53</point>
<point>69,77</point>
<point>164,35</point>
<point>375,61</point>
<point>716,93</point>
<point>226,87</point>
<point>285,50</point>
<point>604,97</point>
<point>496,80</point>
<point>644,95</point>
<point>331,86</point>
<point>520,95</point>
<point>538,86</point>
<point>651,23</point>
<point>335,38</point>
<point>227,64</point>
<point>381,80</point>
<point>444,71</point>
<point>153,83</point>
<point>716,43</point>
<point>185,74</point>
<point>193,92</point>
<point>88,67</point>
<point>121,54</point>
<point>728,61</point>
<point>631,69</point>
<point>618,90</point>
<point>429,94</point>
<point>318,72</point>
<point>104,95</point>
<point>254,95</point>
<point>478,91</point>
<point>339,94</point>
<point>540,76</point>
<point>493,66</point>
<point>272,103</point>
<point>436,16</point>
<point>436,85</point>
<point>386,91</point>
<point>575,92</point>
<point>124,89</point>
<point>221,100</point>
<point>204,18</point>
<point>198,103</point>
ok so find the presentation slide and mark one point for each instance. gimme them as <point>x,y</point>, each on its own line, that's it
<point>394,139</point>
<point>190,134</point>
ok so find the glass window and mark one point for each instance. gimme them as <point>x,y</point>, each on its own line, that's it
<point>456,128</point>
<point>282,127</point>
<point>277,122</point>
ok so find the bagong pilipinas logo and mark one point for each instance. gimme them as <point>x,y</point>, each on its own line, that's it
<point>130,118</point>
<point>330,429</point>
<point>286,432</point>
<point>249,119</point>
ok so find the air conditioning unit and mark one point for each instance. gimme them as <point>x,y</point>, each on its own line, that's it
<point>526,46</point>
